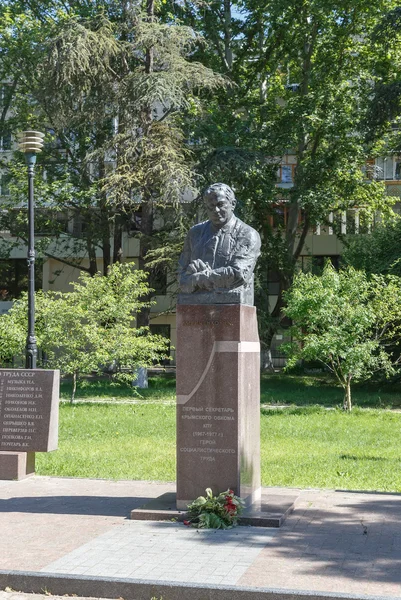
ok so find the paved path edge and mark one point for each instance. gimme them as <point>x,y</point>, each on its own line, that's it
<point>104,587</point>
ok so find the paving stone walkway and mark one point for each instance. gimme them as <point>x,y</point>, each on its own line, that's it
<point>167,552</point>
<point>335,541</point>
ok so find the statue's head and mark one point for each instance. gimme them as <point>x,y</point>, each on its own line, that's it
<point>220,202</point>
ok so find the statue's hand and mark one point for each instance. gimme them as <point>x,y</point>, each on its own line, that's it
<point>198,266</point>
<point>202,280</point>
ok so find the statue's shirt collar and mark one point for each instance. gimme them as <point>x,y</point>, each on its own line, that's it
<point>227,228</point>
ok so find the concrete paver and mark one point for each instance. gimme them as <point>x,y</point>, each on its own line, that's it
<point>44,518</point>
<point>335,541</point>
<point>209,556</point>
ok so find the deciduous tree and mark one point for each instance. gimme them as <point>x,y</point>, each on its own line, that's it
<point>304,74</point>
<point>88,328</point>
<point>378,252</point>
<point>347,322</point>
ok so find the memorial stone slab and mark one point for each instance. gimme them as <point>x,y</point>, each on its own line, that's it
<point>29,400</point>
<point>218,401</point>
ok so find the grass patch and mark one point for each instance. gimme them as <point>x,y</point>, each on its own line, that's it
<point>109,441</point>
<point>314,447</point>
<point>276,389</point>
<point>161,387</point>
<point>304,390</point>
<point>301,447</point>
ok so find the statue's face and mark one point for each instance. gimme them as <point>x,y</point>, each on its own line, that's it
<point>219,209</point>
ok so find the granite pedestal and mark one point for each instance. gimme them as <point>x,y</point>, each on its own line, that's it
<point>218,401</point>
<point>218,416</point>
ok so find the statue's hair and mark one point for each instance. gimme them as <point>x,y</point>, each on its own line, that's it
<point>215,187</point>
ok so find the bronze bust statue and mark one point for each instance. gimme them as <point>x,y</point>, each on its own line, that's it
<point>219,255</point>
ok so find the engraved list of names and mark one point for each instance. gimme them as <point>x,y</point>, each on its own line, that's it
<point>29,410</point>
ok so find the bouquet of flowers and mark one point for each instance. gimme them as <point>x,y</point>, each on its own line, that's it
<point>215,512</point>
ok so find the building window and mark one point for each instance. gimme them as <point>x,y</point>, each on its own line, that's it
<point>287,175</point>
<point>51,223</point>
<point>279,215</point>
<point>79,227</point>
<point>5,141</point>
<point>135,223</point>
<point>4,184</point>
<point>14,278</point>
<point>384,168</point>
<point>5,91</point>
<point>273,282</point>
<point>283,336</point>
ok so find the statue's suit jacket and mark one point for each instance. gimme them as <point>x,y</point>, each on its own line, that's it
<point>231,252</point>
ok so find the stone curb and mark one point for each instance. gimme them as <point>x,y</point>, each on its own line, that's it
<point>104,587</point>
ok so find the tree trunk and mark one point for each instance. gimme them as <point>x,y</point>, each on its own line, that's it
<point>276,317</point>
<point>92,258</point>
<point>104,222</point>
<point>347,395</point>
<point>267,360</point>
<point>74,387</point>
<point>118,240</point>
<point>228,53</point>
<point>106,246</point>
<point>143,317</point>
<point>266,337</point>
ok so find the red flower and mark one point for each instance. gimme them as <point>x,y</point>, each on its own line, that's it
<point>230,508</point>
<point>187,523</point>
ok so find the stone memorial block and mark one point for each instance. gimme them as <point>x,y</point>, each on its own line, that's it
<point>218,401</point>
<point>29,400</point>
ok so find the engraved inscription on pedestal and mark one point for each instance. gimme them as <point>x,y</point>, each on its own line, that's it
<point>210,436</point>
<point>29,410</point>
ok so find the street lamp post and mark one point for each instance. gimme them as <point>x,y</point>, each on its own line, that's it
<point>30,143</point>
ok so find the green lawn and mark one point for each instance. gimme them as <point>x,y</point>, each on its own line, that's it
<point>123,441</point>
<point>315,447</point>
<point>275,389</point>
<point>284,389</point>
<point>161,387</point>
<point>302,447</point>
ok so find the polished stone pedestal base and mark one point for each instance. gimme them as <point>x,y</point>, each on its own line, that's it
<point>270,511</point>
<point>218,401</point>
<point>16,465</point>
